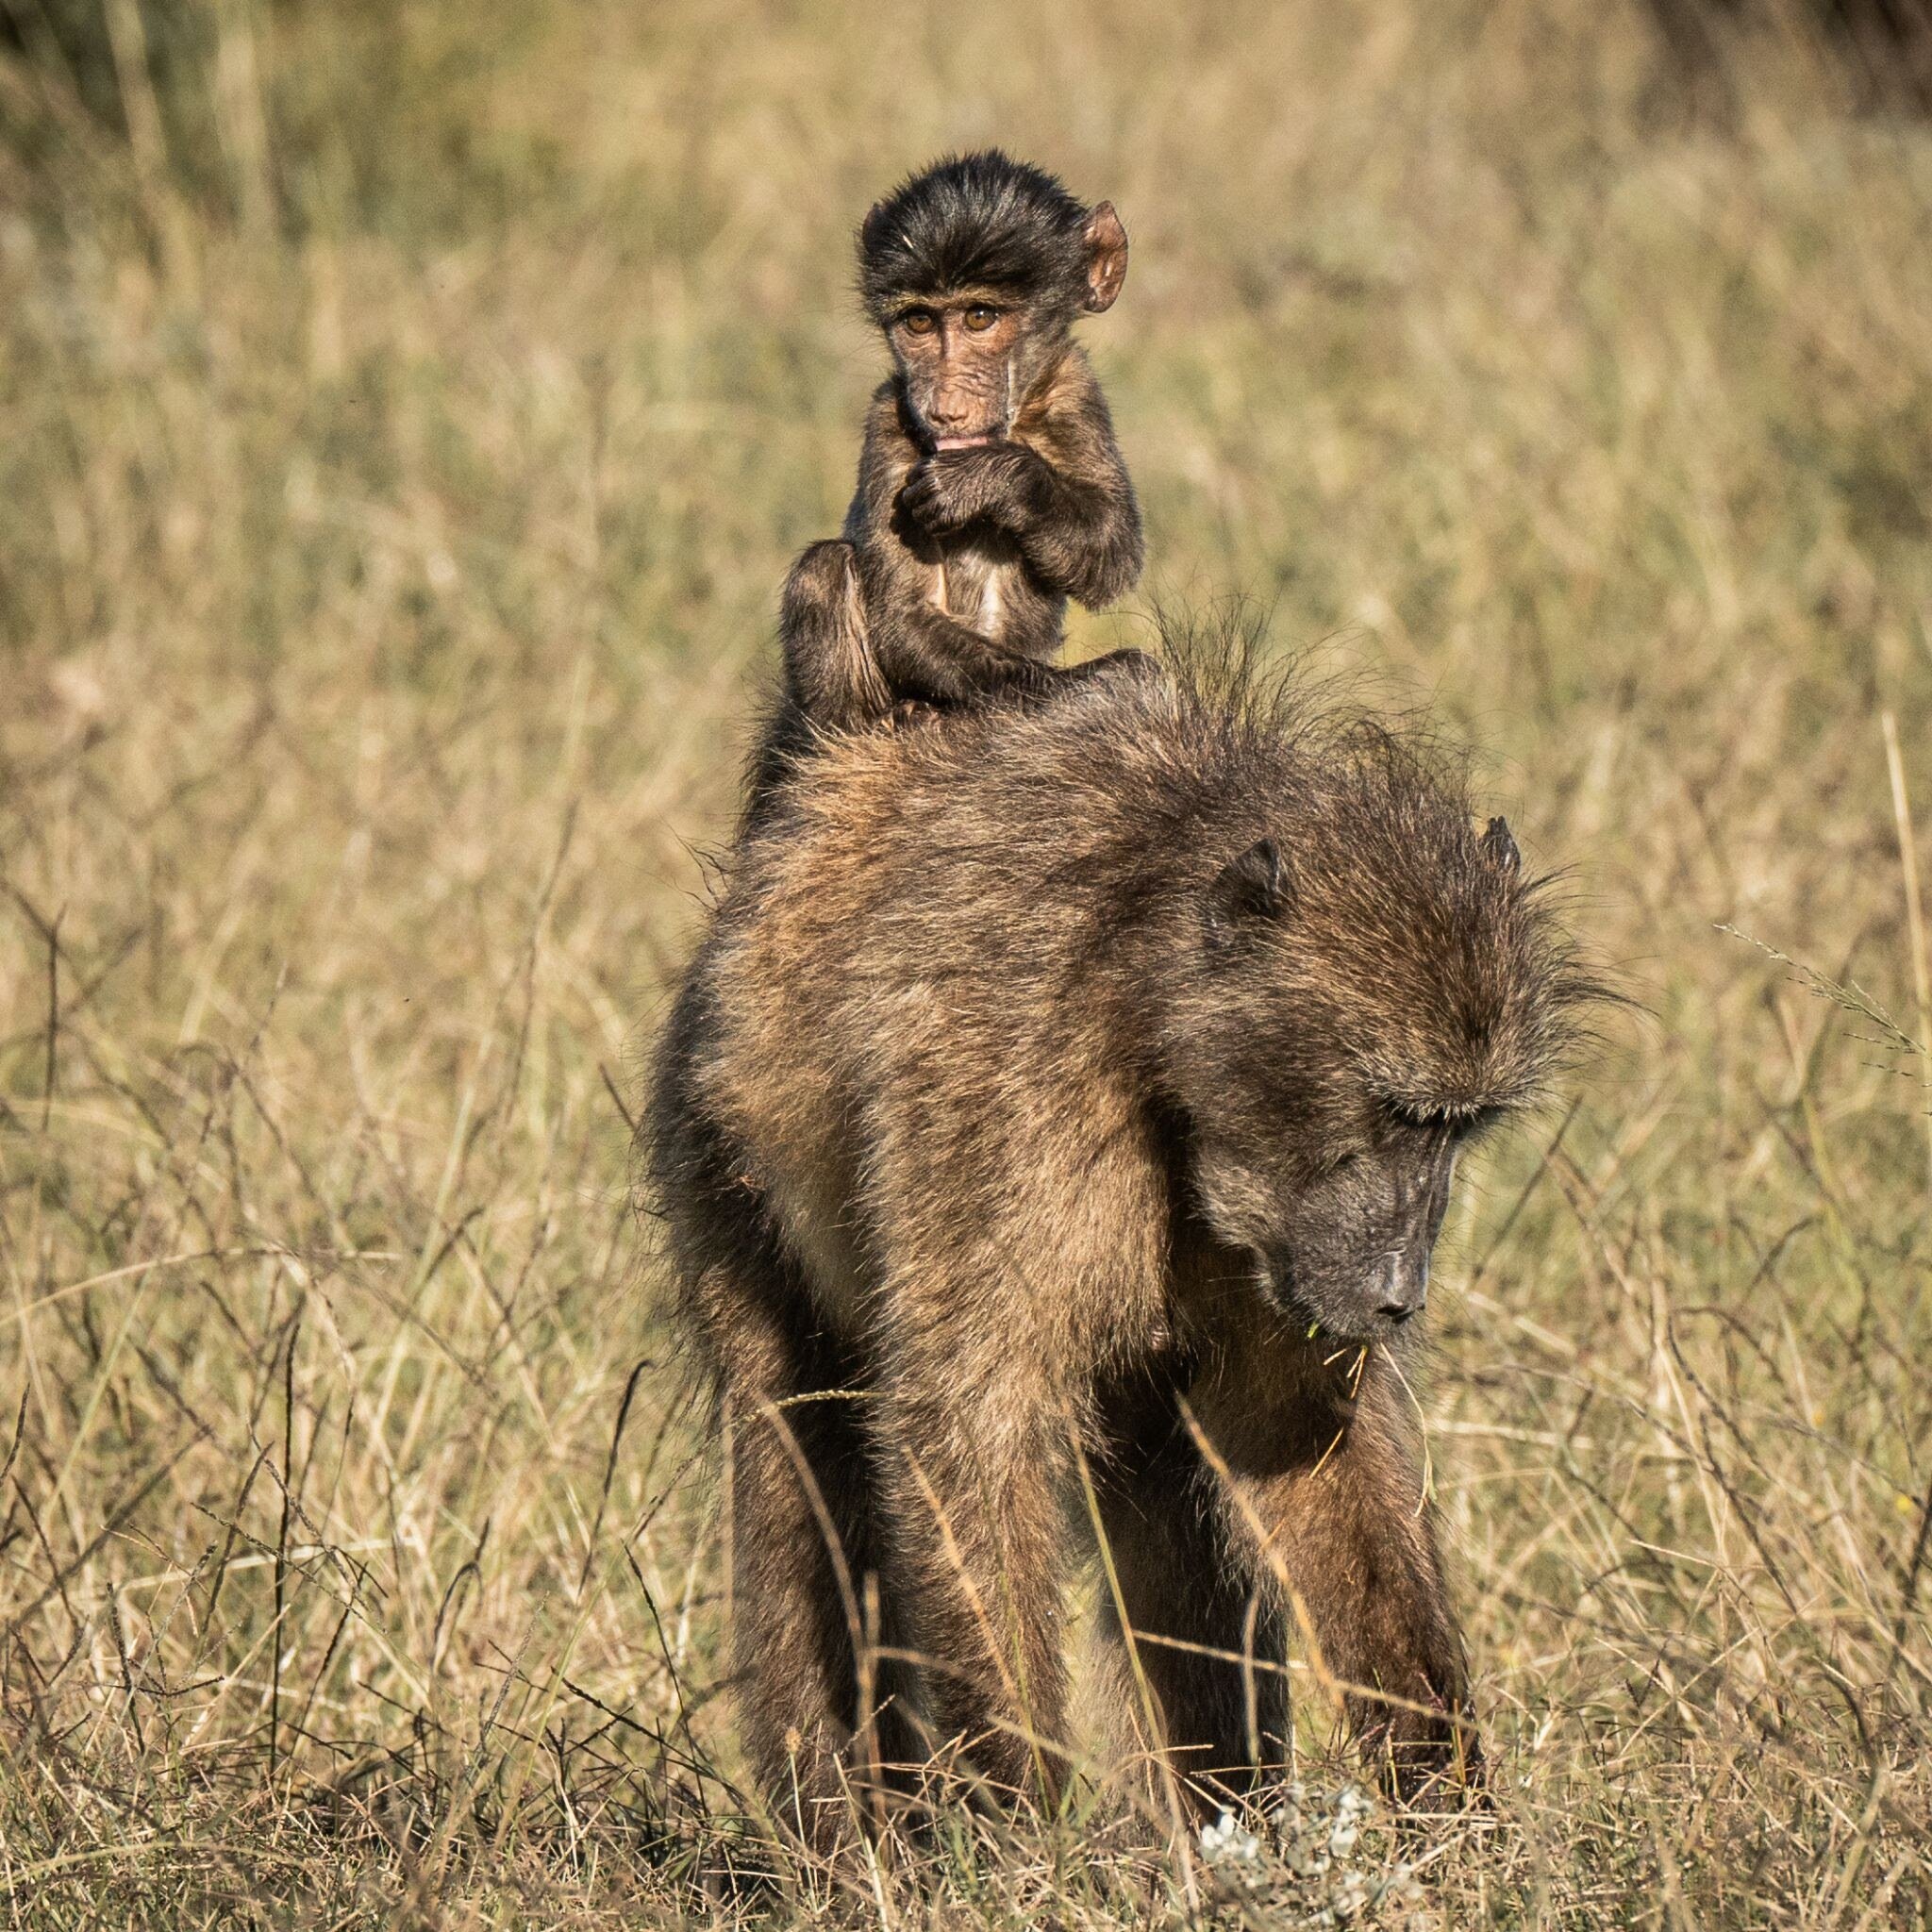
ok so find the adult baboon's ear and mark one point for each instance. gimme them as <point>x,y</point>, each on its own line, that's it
<point>1499,848</point>
<point>1253,887</point>
<point>1106,257</point>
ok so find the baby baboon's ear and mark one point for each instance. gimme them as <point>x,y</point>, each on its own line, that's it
<point>1254,886</point>
<point>1499,848</point>
<point>1106,257</point>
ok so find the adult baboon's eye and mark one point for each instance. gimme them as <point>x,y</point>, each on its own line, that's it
<point>918,322</point>
<point>979,317</point>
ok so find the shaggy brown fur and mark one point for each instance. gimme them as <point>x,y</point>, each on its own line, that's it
<point>991,488</point>
<point>1080,1086</point>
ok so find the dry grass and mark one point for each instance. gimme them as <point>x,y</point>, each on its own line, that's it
<point>405,417</point>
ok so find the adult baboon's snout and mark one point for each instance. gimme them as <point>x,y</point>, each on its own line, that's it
<point>1401,1286</point>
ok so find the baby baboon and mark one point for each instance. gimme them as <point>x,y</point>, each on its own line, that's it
<point>1079,1088</point>
<point>991,488</point>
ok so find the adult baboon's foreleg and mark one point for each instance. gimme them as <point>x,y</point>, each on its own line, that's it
<point>1203,1637</point>
<point>1324,1498</point>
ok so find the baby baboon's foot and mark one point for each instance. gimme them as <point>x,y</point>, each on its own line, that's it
<point>1138,666</point>
<point>909,712</point>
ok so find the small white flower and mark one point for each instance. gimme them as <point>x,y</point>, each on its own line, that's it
<point>1351,1808</point>
<point>1225,1843</point>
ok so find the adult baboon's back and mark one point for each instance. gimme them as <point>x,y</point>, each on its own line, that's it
<point>1089,1076</point>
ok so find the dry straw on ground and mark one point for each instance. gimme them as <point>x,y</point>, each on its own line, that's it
<point>405,417</point>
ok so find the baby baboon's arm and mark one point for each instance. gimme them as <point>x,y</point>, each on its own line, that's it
<point>1329,1506</point>
<point>1061,490</point>
<point>924,654</point>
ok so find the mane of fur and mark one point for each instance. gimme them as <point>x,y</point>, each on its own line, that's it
<point>1456,983</point>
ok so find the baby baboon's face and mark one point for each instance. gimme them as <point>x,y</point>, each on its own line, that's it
<point>1341,1218</point>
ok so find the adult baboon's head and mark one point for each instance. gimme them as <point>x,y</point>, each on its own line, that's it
<point>1373,985</point>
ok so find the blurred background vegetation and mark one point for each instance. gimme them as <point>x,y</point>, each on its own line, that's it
<point>407,415</point>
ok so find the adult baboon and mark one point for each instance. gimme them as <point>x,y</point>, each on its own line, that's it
<point>1079,1087</point>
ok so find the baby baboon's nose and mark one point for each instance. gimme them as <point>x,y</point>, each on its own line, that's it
<point>951,410</point>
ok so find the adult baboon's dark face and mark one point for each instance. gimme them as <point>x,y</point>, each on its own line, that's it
<point>1327,1093</point>
<point>1341,1226</point>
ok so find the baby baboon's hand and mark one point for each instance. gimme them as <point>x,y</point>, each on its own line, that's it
<point>957,487</point>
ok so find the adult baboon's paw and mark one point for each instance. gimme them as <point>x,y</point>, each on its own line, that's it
<point>1436,1771</point>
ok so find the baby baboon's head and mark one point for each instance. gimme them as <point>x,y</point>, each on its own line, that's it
<point>975,269</point>
<point>1373,985</point>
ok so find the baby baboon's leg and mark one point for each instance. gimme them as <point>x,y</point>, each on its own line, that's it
<point>1326,1504</point>
<point>803,1547</point>
<point>971,1467</point>
<point>1206,1635</point>
<point>830,668</point>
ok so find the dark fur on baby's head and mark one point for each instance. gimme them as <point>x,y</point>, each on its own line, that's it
<point>977,221</point>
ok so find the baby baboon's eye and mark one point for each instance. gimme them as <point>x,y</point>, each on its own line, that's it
<point>918,322</point>
<point>979,317</point>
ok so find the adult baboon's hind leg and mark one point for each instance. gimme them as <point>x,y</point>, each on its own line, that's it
<point>1202,1640</point>
<point>817,1721</point>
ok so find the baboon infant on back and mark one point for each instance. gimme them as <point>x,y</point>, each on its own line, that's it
<point>991,488</point>
<point>1078,1089</point>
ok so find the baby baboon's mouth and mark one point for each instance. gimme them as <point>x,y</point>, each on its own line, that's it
<point>940,442</point>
